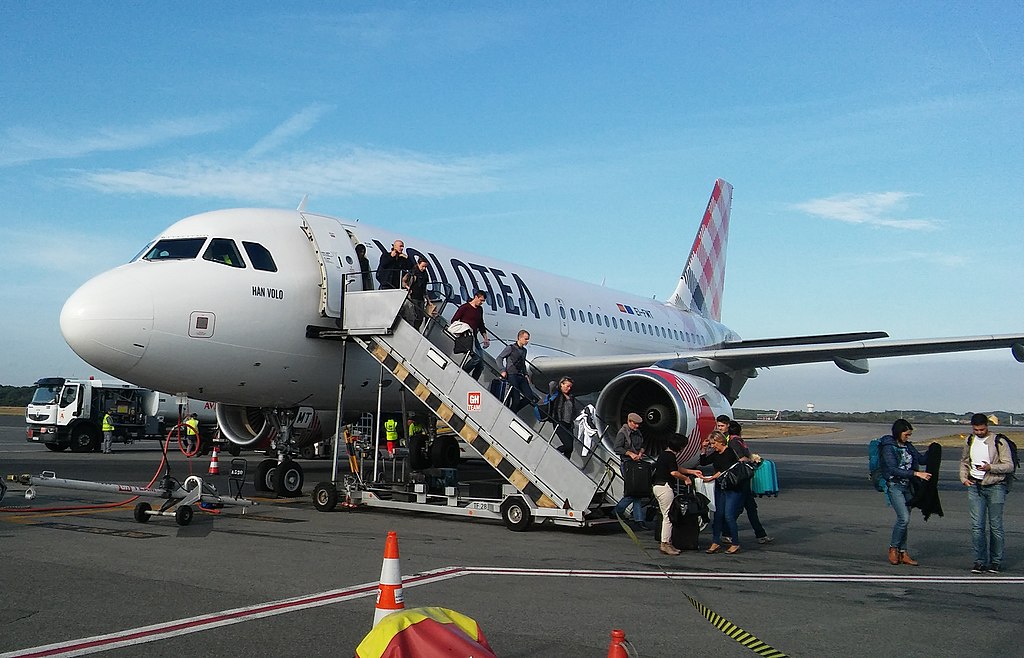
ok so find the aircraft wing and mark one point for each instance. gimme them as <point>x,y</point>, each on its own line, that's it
<point>850,355</point>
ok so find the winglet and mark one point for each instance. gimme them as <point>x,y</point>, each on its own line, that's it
<point>302,204</point>
<point>700,285</point>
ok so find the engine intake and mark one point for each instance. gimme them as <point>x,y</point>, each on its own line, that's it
<point>669,401</point>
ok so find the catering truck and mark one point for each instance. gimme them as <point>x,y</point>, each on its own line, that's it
<point>68,413</point>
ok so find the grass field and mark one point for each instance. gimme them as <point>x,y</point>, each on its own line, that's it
<point>12,411</point>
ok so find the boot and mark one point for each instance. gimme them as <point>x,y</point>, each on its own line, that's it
<point>894,555</point>
<point>669,549</point>
<point>906,559</point>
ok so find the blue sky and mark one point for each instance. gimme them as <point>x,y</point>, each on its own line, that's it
<point>876,152</point>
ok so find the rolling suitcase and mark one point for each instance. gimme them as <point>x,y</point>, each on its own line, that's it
<point>636,476</point>
<point>766,480</point>
<point>686,533</point>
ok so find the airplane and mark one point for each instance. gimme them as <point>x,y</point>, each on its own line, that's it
<point>225,306</point>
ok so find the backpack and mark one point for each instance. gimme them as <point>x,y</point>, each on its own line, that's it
<point>875,464</point>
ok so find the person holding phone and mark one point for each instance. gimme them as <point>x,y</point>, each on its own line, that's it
<point>985,464</point>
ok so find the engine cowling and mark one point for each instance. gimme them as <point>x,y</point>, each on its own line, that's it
<point>251,426</point>
<point>669,402</point>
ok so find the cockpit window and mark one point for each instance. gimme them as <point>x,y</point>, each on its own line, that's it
<point>142,252</point>
<point>175,249</point>
<point>259,256</point>
<point>223,250</point>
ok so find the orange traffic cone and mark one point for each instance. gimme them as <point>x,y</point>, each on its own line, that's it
<point>619,647</point>
<point>214,466</point>
<point>389,593</point>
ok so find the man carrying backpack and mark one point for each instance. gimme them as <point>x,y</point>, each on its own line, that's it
<point>986,466</point>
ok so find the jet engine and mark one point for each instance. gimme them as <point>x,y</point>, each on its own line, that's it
<point>669,402</point>
<point>252,427</point>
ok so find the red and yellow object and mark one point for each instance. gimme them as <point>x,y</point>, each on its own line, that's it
<point>430,632</point>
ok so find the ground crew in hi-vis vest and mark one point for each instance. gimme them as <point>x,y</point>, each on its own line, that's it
<point>192,433</point>
<point>391,434</point>
<point>108,432</point>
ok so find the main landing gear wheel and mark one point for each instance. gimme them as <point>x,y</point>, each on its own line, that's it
<point>325,496</point>
<point>516,514</point>
<point>444,453</point>
<point>142,512</point>
<point>183,515</point>
<point>264,478</point>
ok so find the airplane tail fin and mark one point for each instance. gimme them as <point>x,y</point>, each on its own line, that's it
<point>701,283</point>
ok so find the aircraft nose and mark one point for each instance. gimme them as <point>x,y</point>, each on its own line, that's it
<point>108,321</point>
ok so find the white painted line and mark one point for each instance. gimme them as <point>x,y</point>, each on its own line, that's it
<point>180,627</point>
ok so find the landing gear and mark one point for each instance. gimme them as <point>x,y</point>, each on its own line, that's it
<point>284,480</point>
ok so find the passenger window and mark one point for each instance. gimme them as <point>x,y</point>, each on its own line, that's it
<point>547,310</point>
<point>590,317</point>
<point>259,256</point>
<point>572,312</point>
<point>175,249</point>
<point>599,319</point>
<point>643,327</point>
<point>561,311</point>
<point>223,250</point>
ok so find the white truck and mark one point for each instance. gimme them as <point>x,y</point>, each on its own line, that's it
<point>68,413</point>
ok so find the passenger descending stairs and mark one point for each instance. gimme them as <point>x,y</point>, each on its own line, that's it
<point>429,370</point>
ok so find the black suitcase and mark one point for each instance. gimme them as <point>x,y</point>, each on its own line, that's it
<point>636,476</point>
<point>686,533</point>
<point>500,389</point>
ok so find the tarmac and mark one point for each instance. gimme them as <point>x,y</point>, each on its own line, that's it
<point>286,580</point>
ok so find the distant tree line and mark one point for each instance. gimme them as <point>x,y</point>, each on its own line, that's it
<point>913,415</point>
<point>16,396</point>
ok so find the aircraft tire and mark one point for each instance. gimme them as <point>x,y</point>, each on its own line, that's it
<point>234,449</point>
<point>418,459</point>
<point>325,496</point>
<point>516,514</point>
<point>264,478</point>
<point>141,512</point>
<point>288,479</point>
<point>183,515</point>
<point>445,452</point>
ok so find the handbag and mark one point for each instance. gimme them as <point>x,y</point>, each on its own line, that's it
<point>734,476</point>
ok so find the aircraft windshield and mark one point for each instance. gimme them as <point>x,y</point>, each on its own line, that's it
<point>222,250</point>
<point>45,395</point>
<point>175,249</point>
<point>259,256</point>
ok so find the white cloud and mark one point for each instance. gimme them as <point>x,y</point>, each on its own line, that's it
<point>293,126</point>
<point>351,172</point>
<point>873,209</point>
<point>20,145</point>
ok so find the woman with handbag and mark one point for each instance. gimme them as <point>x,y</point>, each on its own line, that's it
<point>731,472</point>
<point>665,472</point>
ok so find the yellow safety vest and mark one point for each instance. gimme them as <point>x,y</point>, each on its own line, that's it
<point>415,428</point>
<point>108,423</point>
<point>391,429</point>
<point>193,426</point>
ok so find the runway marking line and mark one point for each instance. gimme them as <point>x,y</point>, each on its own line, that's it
<point>165,630</point>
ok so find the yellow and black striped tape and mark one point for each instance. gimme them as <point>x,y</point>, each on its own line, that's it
<point>717,620</point>
<point>458,424</point>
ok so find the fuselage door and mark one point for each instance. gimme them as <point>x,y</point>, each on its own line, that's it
<point>336,257</point>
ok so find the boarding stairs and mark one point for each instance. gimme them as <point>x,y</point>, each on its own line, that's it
<point>424,363</point>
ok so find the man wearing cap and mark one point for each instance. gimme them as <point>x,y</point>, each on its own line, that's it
<point>629,445</point>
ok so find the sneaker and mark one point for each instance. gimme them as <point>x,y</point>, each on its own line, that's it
<point>765,540</point>
<point>993,568</point>
<point>642,525</point>
<point>978,567</point>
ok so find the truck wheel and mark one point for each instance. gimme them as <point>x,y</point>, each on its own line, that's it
<point>516,514</point>
<point>83,440</point>
<point>56,447</point>
<point>183,515</point>
<point>325,496</point>
<point>141,514</point>
<point>288,479</point>
<point>264,478</point>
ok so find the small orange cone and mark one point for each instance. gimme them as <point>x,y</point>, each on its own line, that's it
<point>389,593</point>
<point>214,466</point>
<point>619,647</point>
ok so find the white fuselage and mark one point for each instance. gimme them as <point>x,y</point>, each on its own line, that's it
<point>237,335</point>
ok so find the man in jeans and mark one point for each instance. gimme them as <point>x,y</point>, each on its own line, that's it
<point>629,445</point>
<point>985,465</point>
